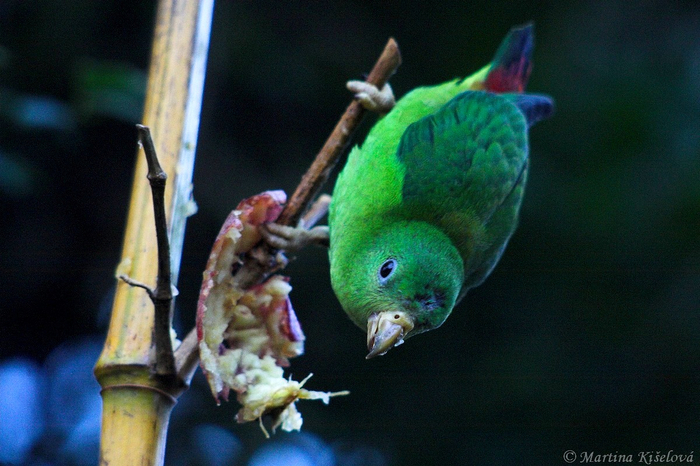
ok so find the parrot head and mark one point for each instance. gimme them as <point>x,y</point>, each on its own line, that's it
<point>408,284</point>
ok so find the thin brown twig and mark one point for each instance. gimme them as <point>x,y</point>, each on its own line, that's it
<point>317,174</point>
<point>136,284</point>
<point>187,357</point>
<point>262,260</point>
<point>161,295</point>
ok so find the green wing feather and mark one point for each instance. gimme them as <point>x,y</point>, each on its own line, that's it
<point>470,153</point>
<point>465,172</point>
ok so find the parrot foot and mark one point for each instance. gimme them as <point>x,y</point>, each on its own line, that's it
<point>293,239</point>
<point>372,98</point>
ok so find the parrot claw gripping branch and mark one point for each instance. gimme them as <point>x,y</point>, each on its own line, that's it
<point>372,98</point>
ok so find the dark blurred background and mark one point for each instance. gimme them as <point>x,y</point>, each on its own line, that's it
<point>584,338</point>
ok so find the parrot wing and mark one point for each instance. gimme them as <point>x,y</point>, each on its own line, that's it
<point>466,156</point>
<point>465,170</point>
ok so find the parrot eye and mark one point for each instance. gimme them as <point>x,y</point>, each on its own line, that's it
<point>386,270</point>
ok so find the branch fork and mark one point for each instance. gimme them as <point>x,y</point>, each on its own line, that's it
<point>162,294</point>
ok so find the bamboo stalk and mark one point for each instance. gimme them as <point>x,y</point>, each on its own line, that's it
<point>138,398</point>
<point>136,402</point>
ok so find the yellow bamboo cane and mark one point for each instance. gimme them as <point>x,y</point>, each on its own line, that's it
<point>136,403</point>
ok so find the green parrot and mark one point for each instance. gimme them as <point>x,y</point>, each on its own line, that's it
<point>425,206</point>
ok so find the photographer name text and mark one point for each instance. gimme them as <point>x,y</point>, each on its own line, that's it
<point>642,457</point>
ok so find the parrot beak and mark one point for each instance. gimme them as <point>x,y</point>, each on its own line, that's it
<point>386,330</point>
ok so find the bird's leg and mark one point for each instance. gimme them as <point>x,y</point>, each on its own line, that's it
<point>292,239</point>
<point>372,98</point>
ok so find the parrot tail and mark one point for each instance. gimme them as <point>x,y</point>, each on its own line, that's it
<point>535,107</point>
<point>511,66</point>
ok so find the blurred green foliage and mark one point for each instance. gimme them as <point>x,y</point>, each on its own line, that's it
<point>586,335</point>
